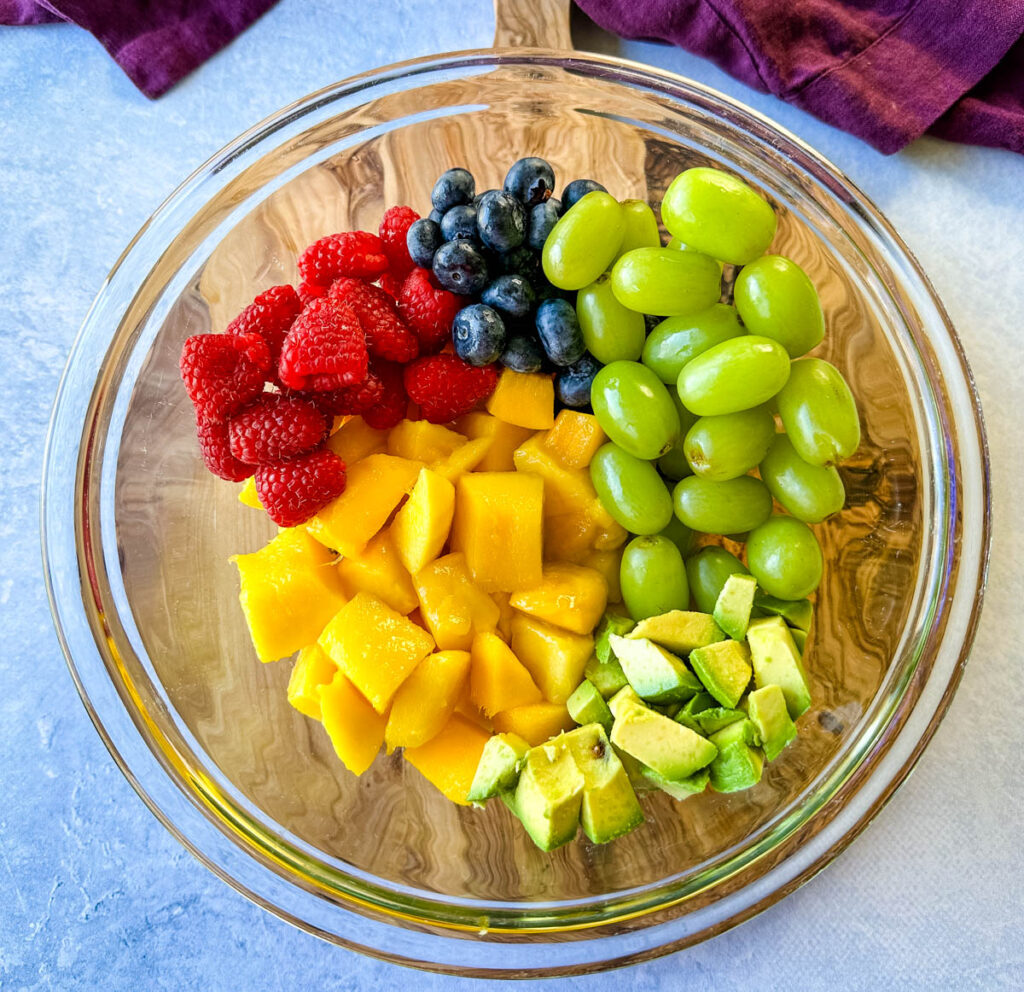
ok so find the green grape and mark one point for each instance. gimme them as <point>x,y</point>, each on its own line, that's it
<point>718,214</point>
<point>819,413</point>
<point>777,300</point>
<point>785,558</point>
<point>611,332</point>
<point>635,409</point>
<point>664,281</point>
<point>707,571</point>
<point>641,226</point>
<point>584,242</point>
<point>676,245</point>
<point>653,577</point>
<point>673,463</point>
<point>729,445</point>
<point>731,507</point>
<point>735,375</point>
<point>677,340</point>
<point>631,490</point>
<point>810,492</point>
<point>680,535</point>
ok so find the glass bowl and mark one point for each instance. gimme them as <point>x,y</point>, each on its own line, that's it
<point>137,536</point>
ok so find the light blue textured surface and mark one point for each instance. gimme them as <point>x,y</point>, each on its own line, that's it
<point>94,894</point>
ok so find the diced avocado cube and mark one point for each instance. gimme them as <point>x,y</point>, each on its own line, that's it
<point>667,709</point>
<point>796,612</point>
<point>498,771</point>
<point>776,661</point>
<point>734,603</point>
<point>724,668</point>
<point>679,789</point>
<point>740,731</point>
<point>669,748</point>
<point>767,710</point>
<point>549,796</point>
<point>607,676</point>
<point>799,639</point>
<point>737,765</point>
<point>715,718</point>
<point>679,630</point>
<point>687,716</point>
<point>587,705</point>
<point>625,698</point>
<point>657,675</point>
<point>637,772</point>
<point>611,624</point>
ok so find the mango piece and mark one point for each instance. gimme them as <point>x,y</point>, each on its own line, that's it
<point>505,438</point>
<point>449,759</point>
<point>422,442</point>
<point>467,708</point>
<point>505,615</point>
<point>379,570</point>
<point>535,722</point>
<point>453,606</point>
<point>426,700</point>
<point>575,438</point>
<point>312,669</point>
<point>376,485</point>
<point>569,596</point>
<point>554,657</point>
<point>356,730</point>
<point>609,564</point>
<point>464,459</point>
<point>421,526</point>
<point>525,399</point>
<point>498,681</point>
<point>289,590</point>
<point>499,527</point>
<point>375,647</point>
<point>355,439</point>
<point>247,494</point>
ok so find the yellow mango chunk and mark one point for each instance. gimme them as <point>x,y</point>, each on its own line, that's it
<point>426,700</point>
<point>535,723</point>
<point>289,590</point>
<point>421,526</point>
<point>569,596</point>
<point>498,681</point>
<point>465,707</point>
<point>505,615</point>
<point>376,485</point>
<point>525,399</point>
<point>453,606</point>
<point>554,657</point>
<point>423,442</point>
<point>375,647</point>
<point>609,564</point>
<point>356,730</point>
<point>449,759</point>
<point>505,439</point>
<point>355,439</point>
<point>312,669</point>
<point>575,438</point>
<point>464,459</point>
<point>499,527</point>
<point>247,494</point>
<point>379,570</point>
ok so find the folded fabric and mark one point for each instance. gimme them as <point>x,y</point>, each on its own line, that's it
<point>884,70</point>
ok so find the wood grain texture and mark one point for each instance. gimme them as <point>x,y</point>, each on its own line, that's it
<point>532,24</point>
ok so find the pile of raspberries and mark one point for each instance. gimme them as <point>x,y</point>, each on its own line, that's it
<point>361,335</point>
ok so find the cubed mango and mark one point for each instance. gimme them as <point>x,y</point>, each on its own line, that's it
<point>247,494</point>
<point>379,570</point>
<point>505,439</point>
<point>464,459</point>
<point>426,700</point>
<point>575,438</point>
<point>609,564</point>
<point>356,730</point>
<point>569,596</point>
<point>453,606</point>
<point>525,399</point>
<point>355,439</point>
<point>312,669</point>
<point>553,656</point>
<point>449,759</point>
<point>467,708</point>
<point>536,722</point>
<point>505,615</point>
<point>420,441</point>
<point>421,526</point>
<point>498,681</point>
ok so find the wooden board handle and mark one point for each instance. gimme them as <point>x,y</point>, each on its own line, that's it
<point>532,24</point>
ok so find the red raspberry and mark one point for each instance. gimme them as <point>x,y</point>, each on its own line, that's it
<point>390,409</point>
<point>294,490</point>
<point>216,452</point>
<point>445,387</point>
<point>391,284</point>
<point>275,427</point>
<point>394,226</point>
<point>386,336</point>
<point>325,341</point>
<point>354,253</point>
<point>349,399</point>
<point>427,309</point>
<point>310,291</point>
<point>269,315</point>
<point>223,371</point>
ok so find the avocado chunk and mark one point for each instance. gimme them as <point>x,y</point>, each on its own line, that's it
<point>679,630</point>
<point>610,624</point>
<point>776,661</point>
<point>680,789</point>
<point>667,747</point>
<point>734,603</point>
<point>587,705</point>
<point>767,710</point>
<point>610,807</point>
<point>625,698</point>
<point>799,639</point>
<point>724,668</point>
<point>715,718</point>
<point>796,612</point>
<point>737,765</point>
<point>607,676</point>
<point>549,795</point>
<point>655,674</point>
<point>637,772</point>
<point>498,771</point>
<point>687,715</point>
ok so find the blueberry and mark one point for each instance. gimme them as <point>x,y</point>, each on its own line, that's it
<point>501,221</point>
<point>521,261</point>
<point>459,223</point>
<point>452,188</point>
<point>559,331</point>
<point>511,294</point>
<point>531,180</point>
<point>543,217</point>
<point>479,334</point>
<point>422,239</point>
<point>579,188</point>
<point>460,268</point>
<point>480,196</point>
<point>573,384</point>
<point>436,216</point>
<point>523,354</point>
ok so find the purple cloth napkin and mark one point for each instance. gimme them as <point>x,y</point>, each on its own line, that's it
<point>885,70</point>
<point>156,42</point>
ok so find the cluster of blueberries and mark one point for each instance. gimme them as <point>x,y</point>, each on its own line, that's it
<point>488,246</point>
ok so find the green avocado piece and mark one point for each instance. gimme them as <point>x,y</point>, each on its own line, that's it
<point>714,718</point>
<point>796,612</point>
<point>776,661</point>
<point>692,785</point>
<point>799,639</point>
<point>734,603</point>
<point>498,771</point>
<point>679,630</point>
<point>657,675</point>
<point>625,698</point>
<point>611,623</point>
<point>669,748</point>
<point>767,710</point>
<point>607,676</point>
<point>687,715</point>
<point>724,668</point>
<point>587,705</point>
<point>549,796</point>
<point>637,772</point>
<point>738,765</point>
